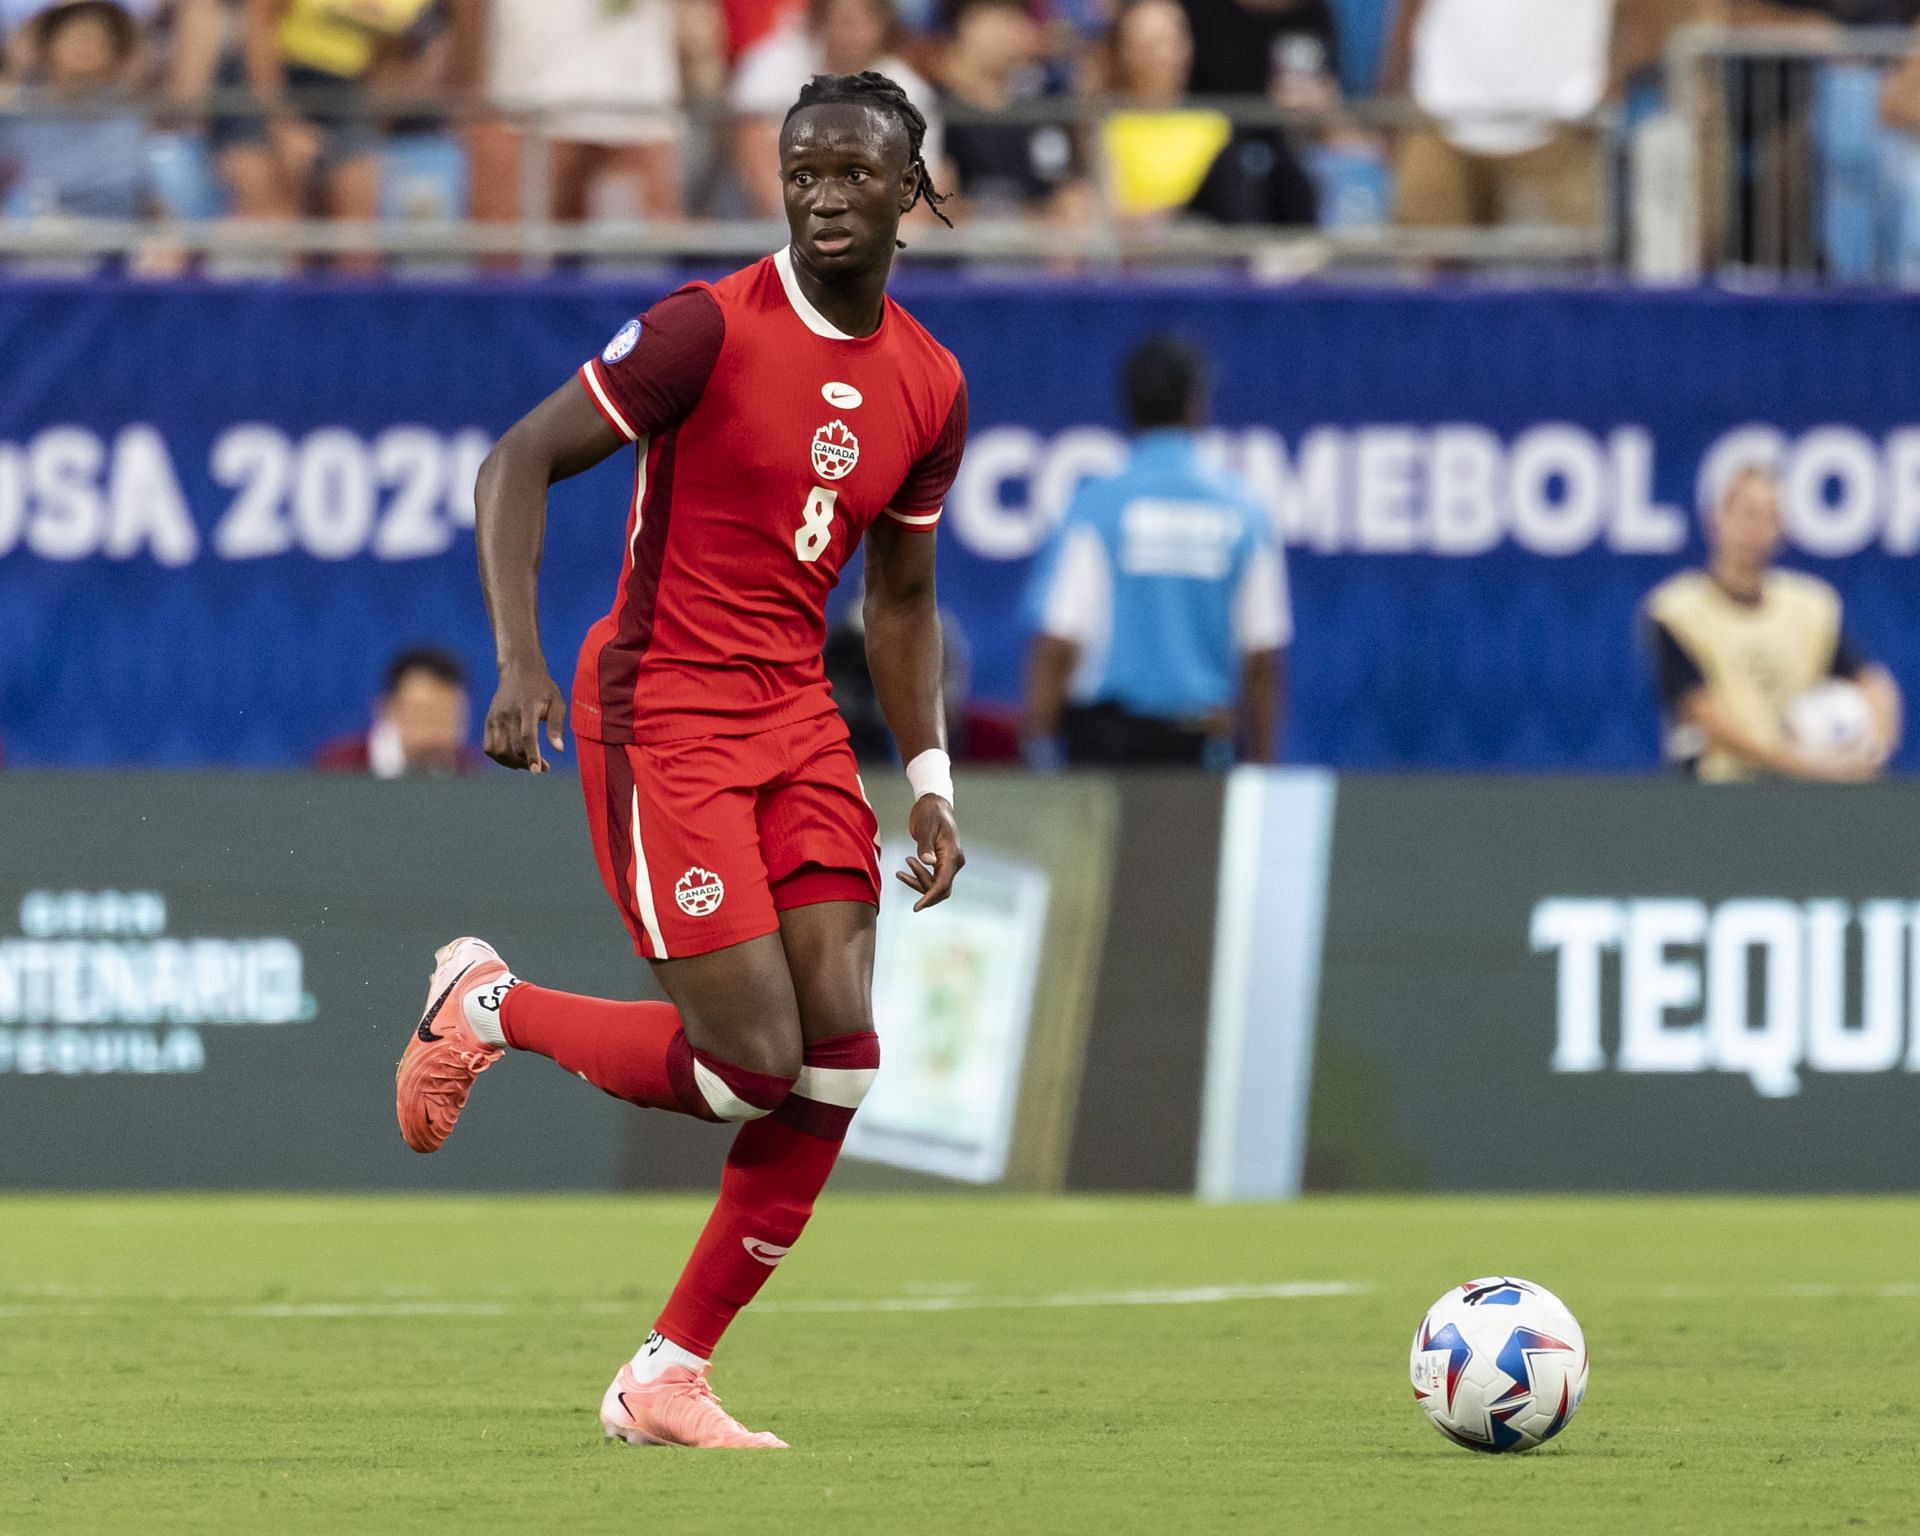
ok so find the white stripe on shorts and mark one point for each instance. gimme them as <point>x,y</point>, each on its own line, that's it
<point>643,886</point>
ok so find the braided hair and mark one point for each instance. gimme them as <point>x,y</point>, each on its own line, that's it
<point>870,88</point>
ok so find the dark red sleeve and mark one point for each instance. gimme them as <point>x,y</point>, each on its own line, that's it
<point>931,477</point>
<point>653,371</point>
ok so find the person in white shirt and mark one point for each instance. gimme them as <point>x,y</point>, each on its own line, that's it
<point>834,37</point>
<point>608,75</point>
<point>1508,85</point>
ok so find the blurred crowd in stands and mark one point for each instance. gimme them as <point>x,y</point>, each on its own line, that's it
<point>1425,113</point>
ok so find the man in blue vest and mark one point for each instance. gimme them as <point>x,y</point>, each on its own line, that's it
<point>1160,607</point>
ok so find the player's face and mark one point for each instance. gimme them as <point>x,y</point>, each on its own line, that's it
<point>846,179</point>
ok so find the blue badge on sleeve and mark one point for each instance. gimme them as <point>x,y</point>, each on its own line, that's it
<point>622,342</point>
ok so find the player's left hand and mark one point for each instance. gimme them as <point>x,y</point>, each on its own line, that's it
<point>939,859</point>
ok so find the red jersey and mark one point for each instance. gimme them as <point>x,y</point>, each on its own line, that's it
<point>768,441</point>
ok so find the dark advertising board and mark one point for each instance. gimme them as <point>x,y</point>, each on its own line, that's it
<point>1470,984</point>
<point>206,981</point>
<point>1568,984</point>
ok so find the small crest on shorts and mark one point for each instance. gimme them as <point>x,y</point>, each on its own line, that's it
<point>835,451</point>
<point>622,343</point>
<point>699,891</point>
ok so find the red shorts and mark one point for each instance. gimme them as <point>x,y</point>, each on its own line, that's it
<point>703,843</point>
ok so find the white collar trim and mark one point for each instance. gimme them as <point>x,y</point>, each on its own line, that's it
<point>810,317</point>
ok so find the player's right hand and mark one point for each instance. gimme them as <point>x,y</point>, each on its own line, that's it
<point>525,697</point>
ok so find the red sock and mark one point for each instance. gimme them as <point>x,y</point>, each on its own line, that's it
<point>637,1052</point>
<point>774,1173</point>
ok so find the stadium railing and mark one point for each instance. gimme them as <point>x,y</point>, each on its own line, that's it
<point>1771,157</point>
<point>1355,234</point>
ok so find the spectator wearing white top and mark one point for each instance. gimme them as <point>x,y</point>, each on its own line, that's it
<point>606,74</point>
<point>1508,84</point>
<point>836,37</point>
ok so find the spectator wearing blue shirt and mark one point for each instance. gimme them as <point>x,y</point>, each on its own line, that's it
<point>91,163</point>
<point>1161,605</point>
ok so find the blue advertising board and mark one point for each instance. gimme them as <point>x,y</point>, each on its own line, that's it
<point>222,507</point>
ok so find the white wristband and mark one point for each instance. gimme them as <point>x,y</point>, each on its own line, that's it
<point>931,773</point>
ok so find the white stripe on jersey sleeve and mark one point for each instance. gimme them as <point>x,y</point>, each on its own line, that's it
<point>591,371</point>
<point>916,519</point>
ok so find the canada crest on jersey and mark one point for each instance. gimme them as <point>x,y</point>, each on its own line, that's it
<point>835,451</point>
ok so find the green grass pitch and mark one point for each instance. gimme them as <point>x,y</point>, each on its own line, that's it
<point>973,1366</point>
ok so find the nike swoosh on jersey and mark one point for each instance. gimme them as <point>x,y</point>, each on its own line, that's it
<point>842,396</point>
<point>437,1004</point>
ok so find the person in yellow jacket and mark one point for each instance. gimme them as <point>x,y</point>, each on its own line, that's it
<point>1158,150</point>
<point>1737,643</point>
<point>308,62</point>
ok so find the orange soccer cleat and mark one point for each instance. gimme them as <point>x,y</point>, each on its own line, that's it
<point>445,1055</point>
<point>676,1408</point>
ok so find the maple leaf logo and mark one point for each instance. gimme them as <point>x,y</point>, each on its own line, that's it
<point>835,450</point>
<point>699,892</point>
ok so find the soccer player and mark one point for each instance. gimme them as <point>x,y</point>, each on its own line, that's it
<point>779,416</point>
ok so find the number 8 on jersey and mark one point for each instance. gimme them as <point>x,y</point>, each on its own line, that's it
<point>815,532</point>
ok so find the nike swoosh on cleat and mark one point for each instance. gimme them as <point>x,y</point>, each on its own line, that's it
<point>425,1034</point>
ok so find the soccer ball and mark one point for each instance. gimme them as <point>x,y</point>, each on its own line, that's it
<point>1499,1365</point>
<point>1831,720</point>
